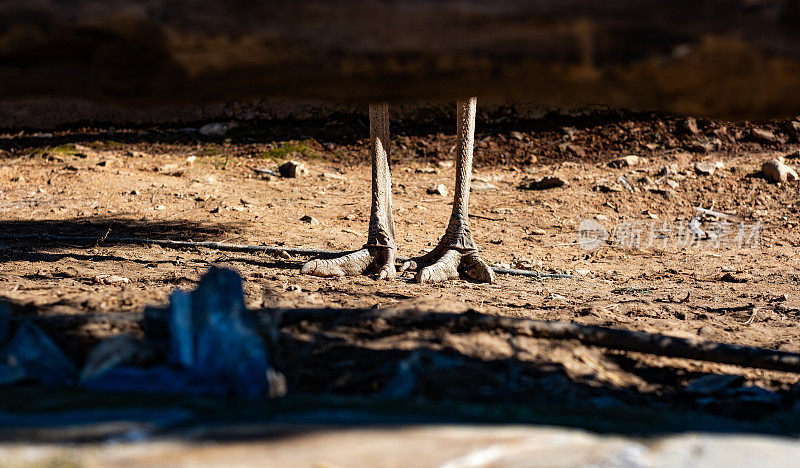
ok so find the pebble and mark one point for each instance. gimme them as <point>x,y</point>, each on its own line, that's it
<point>760,135</point>
<point>627,161</point>
<point>688,126</point>
<point>673,184</point>
<point>438,189</point>
<point>582,272</point>
<point>710,384</point>
<point>735,277</point>
<point>542,183</point>
<point>161,208</point>
<point>310,220</point>
<point>708,168</point>
<point>292,169</point>
<point>216,128</point>
<point>575,150</point>
<point>538,232</point>
<point>110,279</point>
<point>478,186</point>
<point>601,217</point>
<point>777,171</point>
<point>444,164</point>
<point>517,135</point>
<point>699,146</point>
<point>332,175</point>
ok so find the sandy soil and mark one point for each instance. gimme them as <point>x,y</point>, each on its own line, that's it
<point>105,182</point>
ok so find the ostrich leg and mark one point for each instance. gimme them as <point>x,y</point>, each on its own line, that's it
<point>456,254</point>
<point>378,254</point>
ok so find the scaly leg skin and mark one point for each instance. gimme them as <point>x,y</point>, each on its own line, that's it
<point>379,253</point>
<point>456,254</point>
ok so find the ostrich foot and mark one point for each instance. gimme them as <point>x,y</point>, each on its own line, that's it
<point>450,264</point>
<point>378,260</point>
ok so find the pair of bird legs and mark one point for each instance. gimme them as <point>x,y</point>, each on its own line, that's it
<point>455,255</point>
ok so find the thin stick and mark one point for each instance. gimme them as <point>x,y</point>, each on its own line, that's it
<point>243,248</point>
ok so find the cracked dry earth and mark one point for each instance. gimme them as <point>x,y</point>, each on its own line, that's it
<point>137,182</point>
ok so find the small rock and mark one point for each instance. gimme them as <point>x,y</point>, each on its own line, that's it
<point>664,192</point>
<point>135,192</point>
<point>190,160</point>
<point>237,208</point>
<point>292,169</point>
<point>710,384</point>
<point>310,220</point>
<point>627,161</point>
<point>438,189</point>
<point>793,130</point>
<point>104,163</point>
<point>246,202</point>
<point>601,217</point>
<point>110,279</point>
<point>688,126</point>
<point>477,186</point>
<point>574,150</point>
<point>673,184</point>
<point>582,272</point>
<point>215,210</point>
<point>605,187</point>
<point>698,146</point>
<point>537,232</point>
<point>517,135</point>
<point>161,208</point>
<point>542,183</point>
<point>708,168</point>
<point>776,171</point>
<point>735,277</point>
<point>444,164</point>
<point>332,175</point>
<point>216,128</point>
<point>760,135</point>
<point>426,170</point>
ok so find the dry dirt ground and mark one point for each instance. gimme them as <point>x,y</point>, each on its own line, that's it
<point>173,183</point>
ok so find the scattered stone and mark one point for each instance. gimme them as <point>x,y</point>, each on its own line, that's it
<point>793,130</point>
<point>310,220</point>
<point>606,187</point>
<point>236,208</point>
<point>217,129</point>
<point>478,186</point>
<point>664,192</point>
<point>708,168</point>
<point>161,208</point>
<point>537,232</point>
<point>542,183</point>
<point>426,170</point>
<point>630,160</point>
<point>444,164</point>
<point>760,135</point>
<point>135,192</point>
<point>777,171</point>
<point>688,126</point>
<point>735,277</point>
<point>438,189</point>
<point>672,184</point>
<point>190,160</point>
<point>517,135</point>
<point>31,355</point>
<point>582,272</point>
<point>574,150</point>
<point>711,384</point>
<point>104,163</point>
<point>110,279</point>
<point>292,169</point>
<point>216,210</point>
<point>333,175</point>
<point>601,217</point>
<point>119,350</point>
<point>699,146</point>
